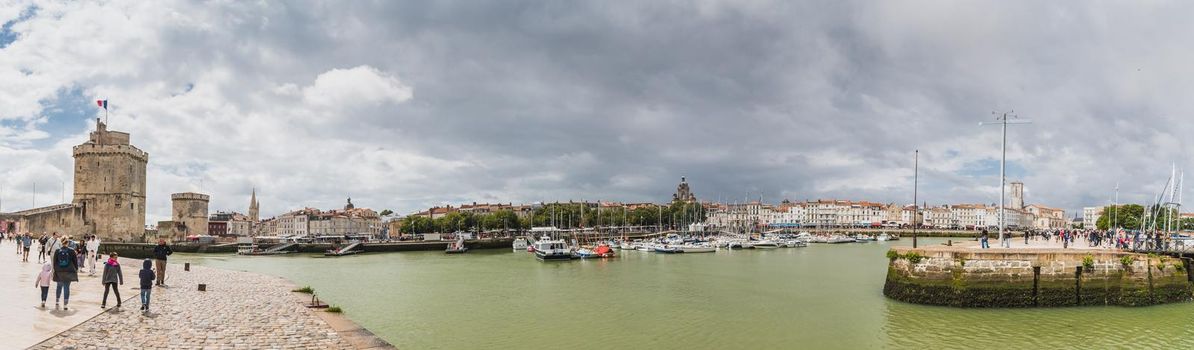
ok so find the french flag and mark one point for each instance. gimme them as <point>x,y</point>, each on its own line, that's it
<point>102,103</point>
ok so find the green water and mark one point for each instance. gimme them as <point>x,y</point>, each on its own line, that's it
<point>819,297</point>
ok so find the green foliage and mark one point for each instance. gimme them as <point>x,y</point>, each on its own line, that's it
<point>1088,262</point>
<point>1179,267</point>
<point>1160,266</point>
<point>334,309</point>
<point>962,261</point>
<point>458,221</point>
<point>1125,215</point>
<point>304,290</point>
<point>892,255</point>
<point>913,257</point>
<point>386,212</point>
<point>1127,260</point>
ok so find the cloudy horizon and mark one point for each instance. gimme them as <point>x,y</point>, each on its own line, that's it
<point>407,105</point>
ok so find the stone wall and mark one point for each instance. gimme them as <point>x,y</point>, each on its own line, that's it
<point>1024,278</point>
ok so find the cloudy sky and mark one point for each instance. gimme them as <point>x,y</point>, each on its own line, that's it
<point>406,104</point>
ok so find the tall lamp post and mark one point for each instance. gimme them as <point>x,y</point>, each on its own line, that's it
<point>915,185</point>
<point>1002,120</point>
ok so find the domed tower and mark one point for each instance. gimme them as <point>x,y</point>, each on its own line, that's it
<point>110,185</point>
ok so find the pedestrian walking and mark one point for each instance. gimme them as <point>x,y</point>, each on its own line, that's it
<point>66,270</point>
<point>983,239</point>
<point>147,277</point>
<point>160,253</point>
<point>55,244</point>
<point>93,245</point>
<point>26,243</point>
<point>41,248</point>
<point>112,276</point>
<point>81,251</point>
<point>43,282</point>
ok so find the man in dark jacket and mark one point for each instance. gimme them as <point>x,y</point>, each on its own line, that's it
<point>147,277</point>
<point>160,253</point>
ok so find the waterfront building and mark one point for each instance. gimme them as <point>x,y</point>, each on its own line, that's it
<point>1046,218</point>
<point>229,224</point>
<point>311,222</point>
<point>1090,216</point>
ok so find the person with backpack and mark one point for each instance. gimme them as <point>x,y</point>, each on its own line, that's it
<point>160,253</point>
<point>66,270</point>
<point>146,275</point>
<point>112,275</point>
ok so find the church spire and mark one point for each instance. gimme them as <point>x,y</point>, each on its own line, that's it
<point>254,207</point>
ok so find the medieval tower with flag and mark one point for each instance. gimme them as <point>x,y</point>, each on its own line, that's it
<point>109,192</point>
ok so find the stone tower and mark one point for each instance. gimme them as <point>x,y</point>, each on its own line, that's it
<point>683,193</point>
<point>1017,195</point>
<point>254,208</point>
<point>190,214</point>
<point>110,185</point>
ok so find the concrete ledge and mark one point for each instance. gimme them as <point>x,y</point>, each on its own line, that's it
<point>969,277</point>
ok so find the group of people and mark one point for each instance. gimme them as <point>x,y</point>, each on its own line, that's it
<point>1109,239</point>
<point>64,258</point>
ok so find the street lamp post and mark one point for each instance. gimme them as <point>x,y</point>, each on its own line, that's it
<point>1002,121</point>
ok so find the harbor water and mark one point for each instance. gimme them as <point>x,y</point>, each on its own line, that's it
<point>817,297</point>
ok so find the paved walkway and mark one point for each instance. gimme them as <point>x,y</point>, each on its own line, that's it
<point>24,323</point>
<point>239,310</point>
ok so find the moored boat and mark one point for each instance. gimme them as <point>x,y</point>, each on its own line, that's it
<point>552,249</point>
<point>456,247</point>
<point>520,244</point>
<point>697,249</point>
<point>765,244</point>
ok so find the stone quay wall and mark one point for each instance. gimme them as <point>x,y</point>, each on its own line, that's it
<point>967,277</point>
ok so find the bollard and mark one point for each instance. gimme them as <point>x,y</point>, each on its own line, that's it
<point>202,287</point>
<point>186,267</point>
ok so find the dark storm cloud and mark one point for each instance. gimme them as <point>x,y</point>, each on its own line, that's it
<point>518,101</point>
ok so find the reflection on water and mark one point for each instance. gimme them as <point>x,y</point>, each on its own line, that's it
<point>820,297</point>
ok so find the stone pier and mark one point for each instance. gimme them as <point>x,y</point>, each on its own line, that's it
<point>970,277</point>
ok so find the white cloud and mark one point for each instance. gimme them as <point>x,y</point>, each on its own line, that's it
<point>346,88</point>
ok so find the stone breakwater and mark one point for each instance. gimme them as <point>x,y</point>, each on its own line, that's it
<point>967,277</point>
<point>239,310</point>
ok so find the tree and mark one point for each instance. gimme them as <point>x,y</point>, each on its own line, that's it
<point>1125,216</point>
<point>386,212</point>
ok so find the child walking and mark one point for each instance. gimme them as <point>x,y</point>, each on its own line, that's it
<point>147,278</point>
<point>43,282</point>
<point>112,275</point>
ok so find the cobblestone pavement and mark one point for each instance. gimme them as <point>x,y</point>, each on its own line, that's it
<point>239,310</point>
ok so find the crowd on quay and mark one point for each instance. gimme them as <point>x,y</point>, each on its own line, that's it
<point>64,257</point>
<point>1121,239</point>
